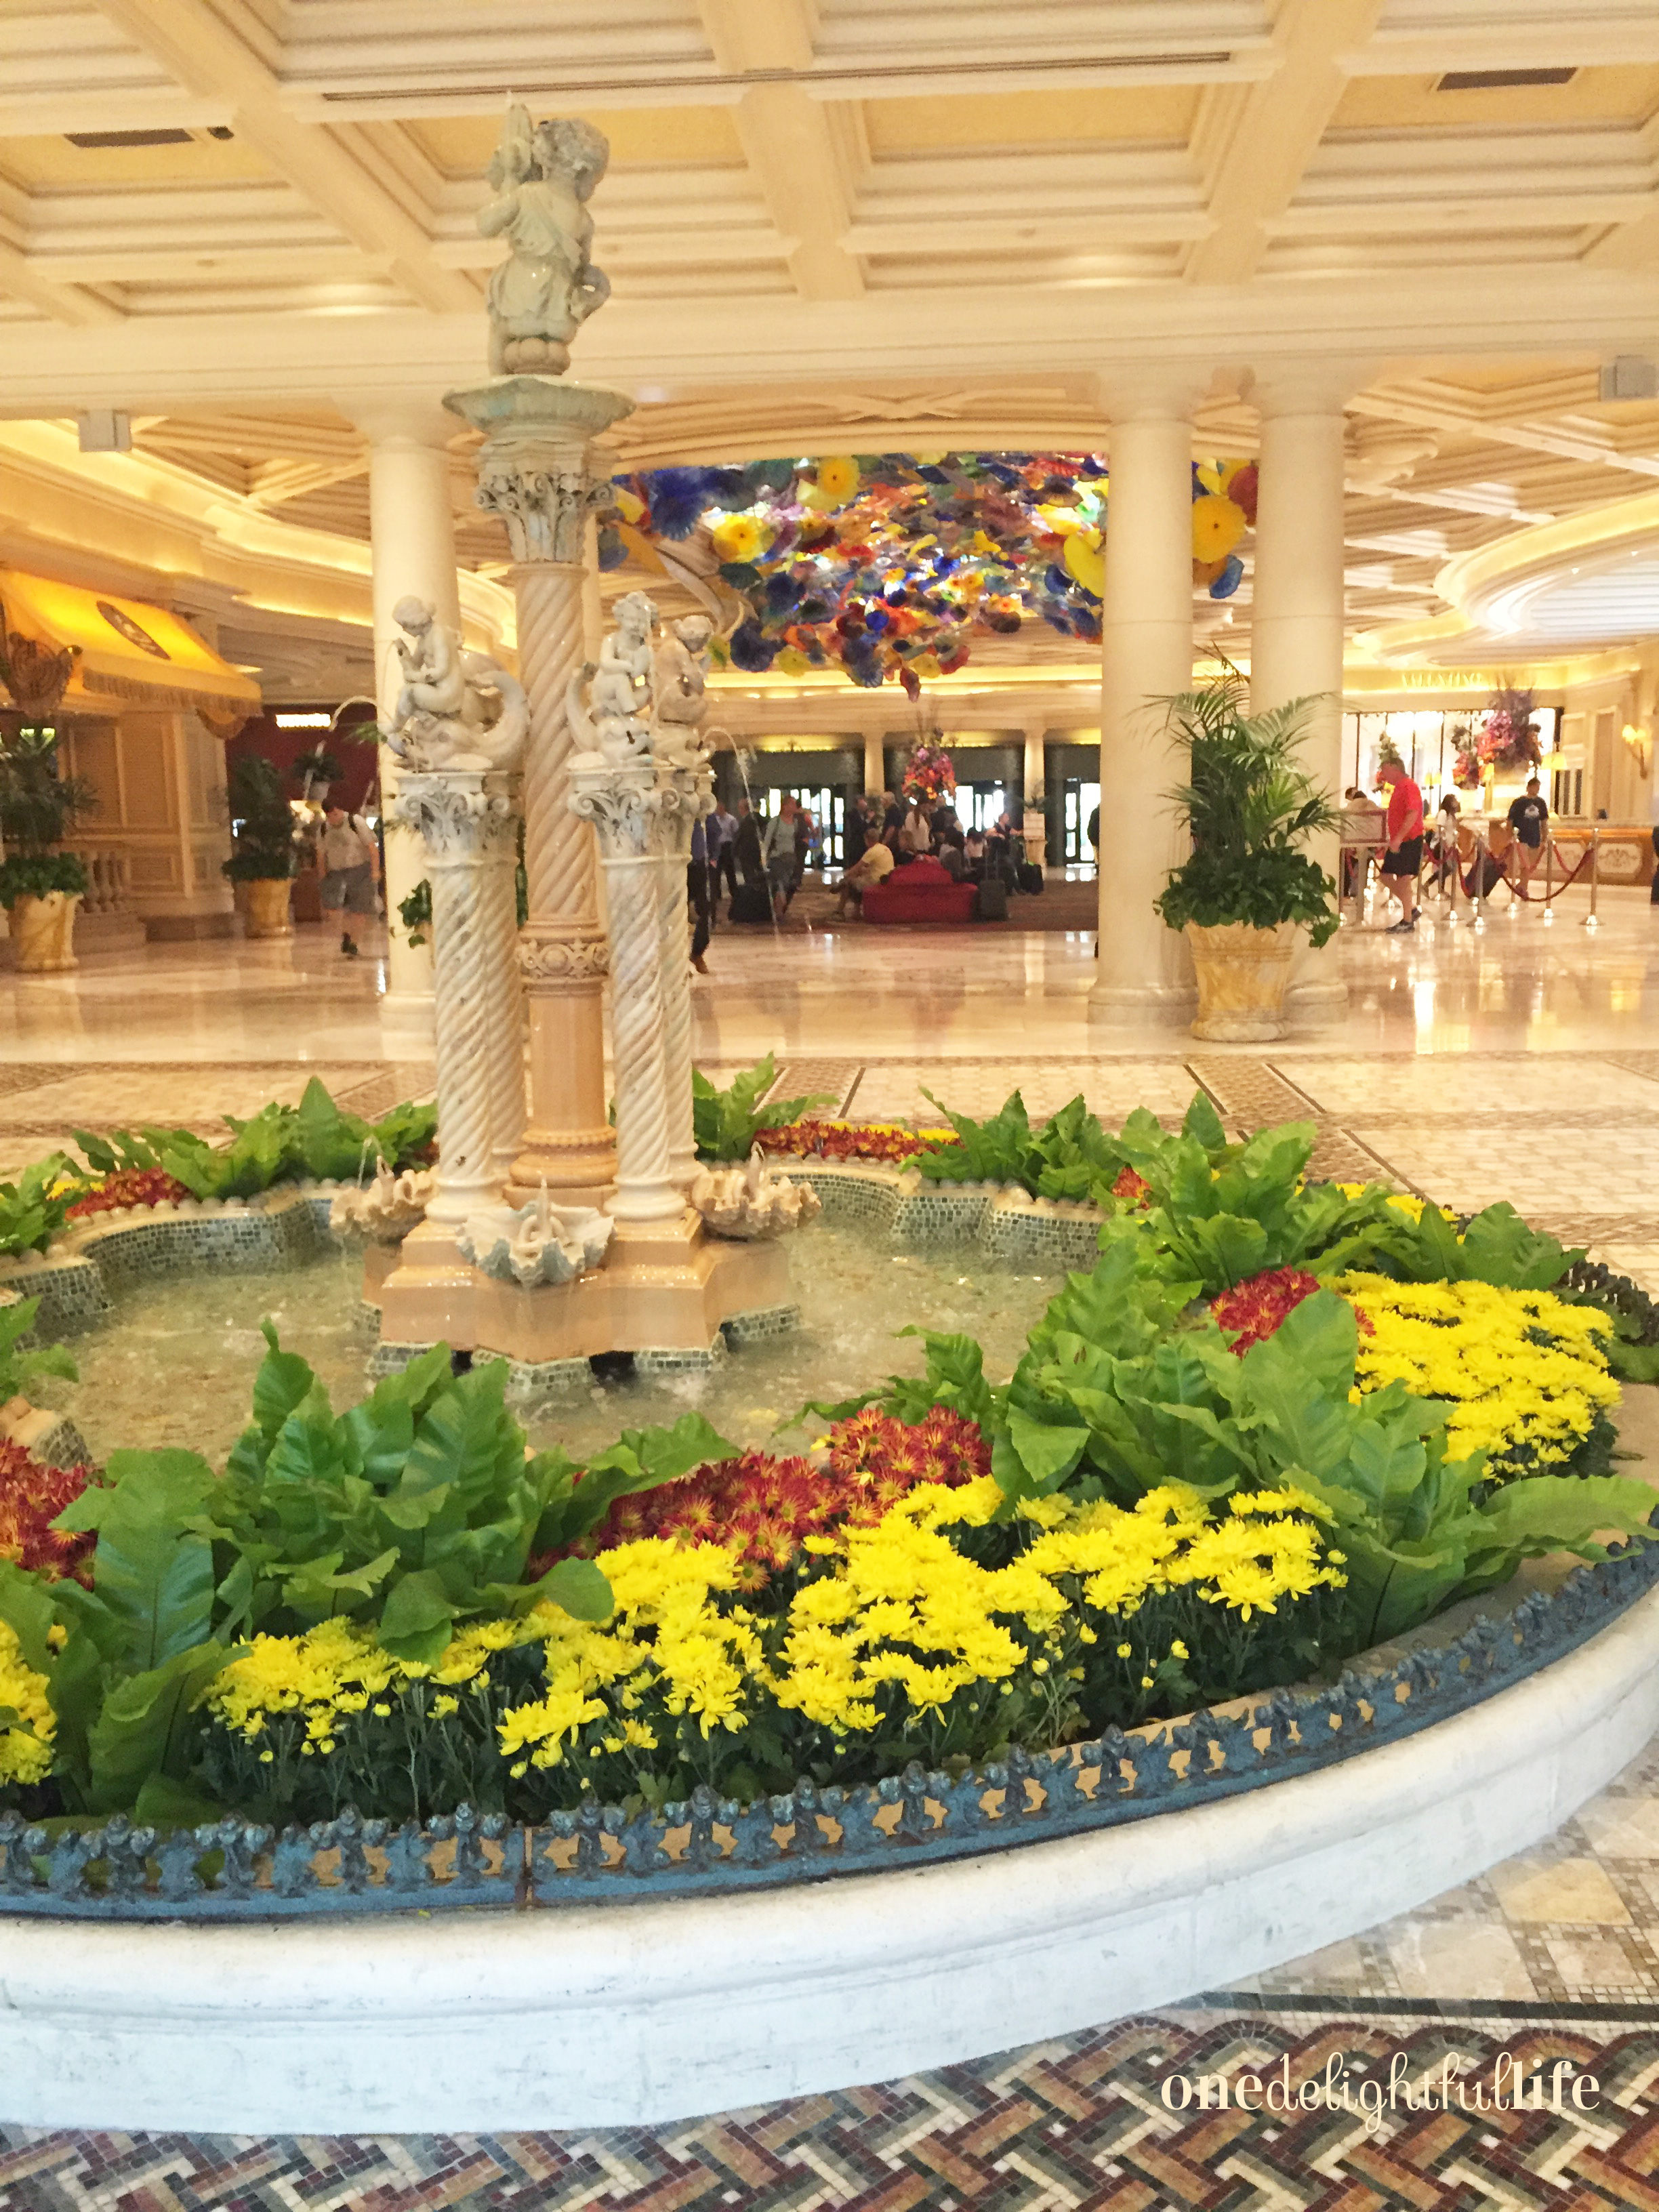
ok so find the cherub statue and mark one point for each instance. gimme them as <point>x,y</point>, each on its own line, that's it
<point>540,297</point>
<point>433,682</point>
<point>680,676</point>
<point>462,711</point>
<point>618,717</point>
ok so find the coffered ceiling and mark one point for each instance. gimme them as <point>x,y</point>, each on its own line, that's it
<point>856,224</point>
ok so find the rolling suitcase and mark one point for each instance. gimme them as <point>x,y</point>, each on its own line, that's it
<point>992,904</point>
<point>1030,877</point>
<point>751,902</point>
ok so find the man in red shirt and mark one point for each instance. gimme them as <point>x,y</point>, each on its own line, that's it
<point>1403,861</point>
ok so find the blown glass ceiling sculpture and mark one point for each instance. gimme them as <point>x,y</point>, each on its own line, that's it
<point>889,565</point>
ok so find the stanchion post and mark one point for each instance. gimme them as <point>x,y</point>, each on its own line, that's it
<point>1479,921</point>
<point>1591,920</point>
<point>1549,874</point>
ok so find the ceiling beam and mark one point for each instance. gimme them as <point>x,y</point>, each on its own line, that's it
<point>794,145</point>
<point>204,47</point>
<point>1276,128</point>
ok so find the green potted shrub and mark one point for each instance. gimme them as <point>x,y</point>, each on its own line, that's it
<point>41,887</point>
<point>1249,885</point>
<point>262,844</point>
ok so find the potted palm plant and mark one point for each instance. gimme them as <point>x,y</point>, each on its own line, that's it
<point>261,845</point>
<point>1248,884</point>
<point>41,887</point>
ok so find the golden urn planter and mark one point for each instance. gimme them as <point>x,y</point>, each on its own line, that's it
<point>43,930</point>
<point>268,911</point>
<point>1243,975</point>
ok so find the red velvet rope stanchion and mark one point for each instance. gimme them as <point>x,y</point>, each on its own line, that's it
<point>1545,898</point>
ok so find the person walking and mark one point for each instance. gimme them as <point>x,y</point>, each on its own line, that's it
<point>722,856</point>
<point>778,851</point>
<point>701,885</point>
<point>349,862</point>
<point>1529,818</point>
<point>1403,861</point>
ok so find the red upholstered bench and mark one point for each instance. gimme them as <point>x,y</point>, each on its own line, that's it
<point>921,892</point>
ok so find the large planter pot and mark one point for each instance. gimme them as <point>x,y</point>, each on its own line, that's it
<point>1243,974</point>
<point>268,914</point>
<point>43,930</point>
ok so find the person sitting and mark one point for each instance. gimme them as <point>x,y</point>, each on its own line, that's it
<point>950,856</point>
<point>904,848</point>
<point>974,849</point>
<point>873,865</point>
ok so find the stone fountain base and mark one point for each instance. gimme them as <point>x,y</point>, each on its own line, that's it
<point>665,1287</point>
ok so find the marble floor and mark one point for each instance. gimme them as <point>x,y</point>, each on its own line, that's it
<point>1520,1060</point>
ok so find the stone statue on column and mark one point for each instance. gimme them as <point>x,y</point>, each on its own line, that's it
<point>541,178</point>
<point>454,711</point>
<point>540,473</point>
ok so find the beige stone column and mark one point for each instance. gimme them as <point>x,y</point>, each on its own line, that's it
<point>1144,970</point>
<point>1297,601</point>
<point>875,761</point>
<point>411,523</point>
<point>537,471</point>
<point>1034,778</point>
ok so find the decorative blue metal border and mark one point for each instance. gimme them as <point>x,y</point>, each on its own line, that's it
<point>234,1870</point>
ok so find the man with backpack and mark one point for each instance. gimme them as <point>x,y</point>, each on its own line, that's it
<point>348,861</point>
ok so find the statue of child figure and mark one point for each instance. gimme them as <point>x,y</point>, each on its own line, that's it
<point>542,293</point>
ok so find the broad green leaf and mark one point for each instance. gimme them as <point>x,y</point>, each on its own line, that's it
<point>416,1618</point>
<point>139,1733</point>
<point>27,1608</point>
<point>579,1586</point>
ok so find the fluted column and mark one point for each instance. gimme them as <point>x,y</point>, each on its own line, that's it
<point>537,472</point>
<point>1034,778</point>
<point>1145,969</point>
<point>625,805</point>
<point>466,827</point>
<point>411,528</point>
<point>1296,597</point>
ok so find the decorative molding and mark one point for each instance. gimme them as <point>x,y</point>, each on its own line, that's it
<point>544,958</point>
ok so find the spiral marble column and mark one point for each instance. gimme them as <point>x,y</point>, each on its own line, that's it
<point>537,472</point>
<point>688,796</point>
<point>626,805</point>
<point>466,823</point>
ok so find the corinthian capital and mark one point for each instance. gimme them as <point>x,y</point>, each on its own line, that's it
<point>460,815</point>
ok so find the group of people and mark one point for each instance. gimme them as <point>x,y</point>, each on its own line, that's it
<point>906,831</point>
<point>1400,827</point>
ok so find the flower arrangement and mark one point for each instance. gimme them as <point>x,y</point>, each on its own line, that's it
<point>932,1629</point>
<point>1526,1374</point>
<point>32,1496</point>
<point>889,1143</point>
<point>889,566</point>
<point>1206,1476</point>
<point>129,1186</point>
<point>929,775</point>
<point>1508,738</point>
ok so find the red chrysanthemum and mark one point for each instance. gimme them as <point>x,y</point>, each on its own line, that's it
<point>1255,1308</point>
<point>766,1508</point>
<point>32,1496</point>
<point>130,1187</point>
<point>1133,1188</point>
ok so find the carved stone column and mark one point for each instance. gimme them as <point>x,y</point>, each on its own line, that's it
<point>625,805</point>
<point>536,470</point>
<point>466,823</point>
<point>692,797</point>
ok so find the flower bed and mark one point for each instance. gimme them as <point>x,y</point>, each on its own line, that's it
<point>1278,1423</point>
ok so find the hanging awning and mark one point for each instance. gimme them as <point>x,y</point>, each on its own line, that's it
<point>123,649</point>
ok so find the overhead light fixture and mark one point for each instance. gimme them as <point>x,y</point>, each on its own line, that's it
<point>1501,80</point>
<point>106,430</point>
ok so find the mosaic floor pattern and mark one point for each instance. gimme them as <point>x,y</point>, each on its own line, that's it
<point>1092,2122</point>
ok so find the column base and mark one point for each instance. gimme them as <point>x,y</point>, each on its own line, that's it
<point>579,1167</point>
<point>1129,1004</point>
<point>407,1018</point>
<point>665,1287</point>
